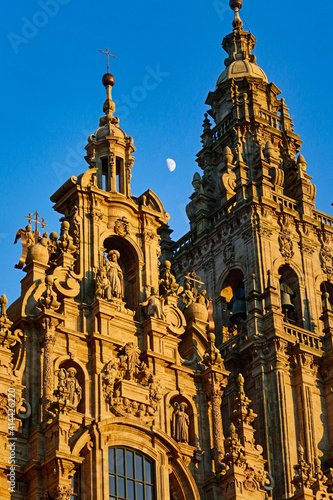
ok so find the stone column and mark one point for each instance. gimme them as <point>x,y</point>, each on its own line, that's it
<point>48,341</point>
<point>215,380</point>
<point>278,420</point>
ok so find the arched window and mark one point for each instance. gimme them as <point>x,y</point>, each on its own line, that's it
<point>233,305</point>
<point>291,304</point>
<point>131,475</point>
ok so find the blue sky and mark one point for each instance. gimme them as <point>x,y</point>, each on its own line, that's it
<point>52,95</point>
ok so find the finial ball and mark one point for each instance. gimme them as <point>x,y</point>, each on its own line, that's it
<point>236,4</point>
<point>108,79</point>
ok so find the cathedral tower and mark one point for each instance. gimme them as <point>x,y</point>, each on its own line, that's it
<point>265,254</point>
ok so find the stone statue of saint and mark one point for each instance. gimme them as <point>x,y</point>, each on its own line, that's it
<point>115,275</point>
<point>180,423</point>
<point>73,387</point>
<point>154,305</point>
<point>69,391</point>
<point>167,281</point>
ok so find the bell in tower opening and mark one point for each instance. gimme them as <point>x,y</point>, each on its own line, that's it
<point>237,305</point>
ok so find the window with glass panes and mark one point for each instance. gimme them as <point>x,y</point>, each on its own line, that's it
<point>131,475</point>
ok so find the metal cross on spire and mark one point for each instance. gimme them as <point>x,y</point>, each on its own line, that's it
<point>37,221</point>
<point>108,57</point>
<point>196,279</point>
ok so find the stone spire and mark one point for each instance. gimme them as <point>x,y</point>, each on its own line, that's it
<point>236,6</point>
<point>109,106</point>
<point>110,150</point>
<point>239,45</point>
<point>253,127</point>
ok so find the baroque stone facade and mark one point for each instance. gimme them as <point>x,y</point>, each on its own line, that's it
<point>130,379</point>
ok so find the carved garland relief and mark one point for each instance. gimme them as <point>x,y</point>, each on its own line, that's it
<point>129,387</point>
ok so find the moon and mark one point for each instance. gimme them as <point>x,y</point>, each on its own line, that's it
<point>171,164</point>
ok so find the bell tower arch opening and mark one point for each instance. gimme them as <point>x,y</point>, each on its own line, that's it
<point>290,296</point>
<point>233,304</point>
<point>120,175</point>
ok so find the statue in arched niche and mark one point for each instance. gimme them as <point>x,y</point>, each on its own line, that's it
<point>115,275</point>
<point>73,387</point>
<point>180,423</point>
<point>109,279</point>
<point>69,391</point>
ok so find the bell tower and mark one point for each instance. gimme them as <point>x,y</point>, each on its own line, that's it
<point>259,244</point>
<point>110,150</point>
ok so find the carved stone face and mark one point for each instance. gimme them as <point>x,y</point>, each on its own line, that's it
<point>71,372</point>
<point>113,256</point>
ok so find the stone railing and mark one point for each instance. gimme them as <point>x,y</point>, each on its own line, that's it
<point>304,337</point>
<point>270,118</point>
<point>322,218</point>
<point>183,243</point>
<point>221,129</point>
<point>285,202</point>
<point>233,343</point>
